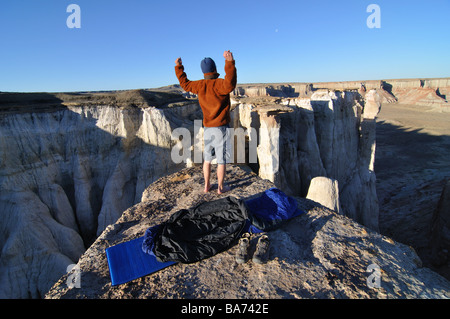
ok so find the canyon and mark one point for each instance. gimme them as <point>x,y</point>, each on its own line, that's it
<point>72,163</point>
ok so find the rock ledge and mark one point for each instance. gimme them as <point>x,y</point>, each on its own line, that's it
<point>319,254</point>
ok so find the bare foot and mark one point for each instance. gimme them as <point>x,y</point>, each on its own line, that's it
<point>207,188</point>
<point>223,190</point>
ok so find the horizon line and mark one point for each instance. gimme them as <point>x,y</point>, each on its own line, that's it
<point>239,84</point>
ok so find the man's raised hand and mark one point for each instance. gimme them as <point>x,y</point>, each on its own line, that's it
<point>178,62</point>
<point>228,55</point>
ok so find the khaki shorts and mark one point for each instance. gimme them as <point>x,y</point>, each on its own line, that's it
<point>217,144</point>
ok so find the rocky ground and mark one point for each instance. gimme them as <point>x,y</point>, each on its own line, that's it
<point>319,254</point>
<point>412,166</point>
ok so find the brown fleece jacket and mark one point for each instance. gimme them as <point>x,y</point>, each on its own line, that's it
<point>213,94</point>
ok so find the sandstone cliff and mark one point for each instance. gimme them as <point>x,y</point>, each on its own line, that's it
<point>319,254</point>
<point>329,134</point>
<point>70,165</point>
<point>433,93</point>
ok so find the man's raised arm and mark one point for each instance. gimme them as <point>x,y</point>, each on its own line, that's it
<point>187,85</point>
<point>230,81</point>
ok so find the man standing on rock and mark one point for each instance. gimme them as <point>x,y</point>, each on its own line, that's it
<point>214,99</point>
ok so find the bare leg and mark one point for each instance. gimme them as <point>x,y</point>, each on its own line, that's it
<point>221,169</point>
<point>206,174</point>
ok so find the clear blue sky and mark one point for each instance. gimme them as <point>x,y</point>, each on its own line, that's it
<point>131,44</point>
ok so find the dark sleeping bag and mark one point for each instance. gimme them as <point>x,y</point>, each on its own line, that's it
<point>194,234</point>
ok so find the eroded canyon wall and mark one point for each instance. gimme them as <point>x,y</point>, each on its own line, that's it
<point>330,134</point>
<point>67,174</point>
<point>431,92</point>
<point>69,168</point>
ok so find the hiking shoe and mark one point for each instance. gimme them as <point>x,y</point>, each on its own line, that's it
<point>262,250</point>
<point>242,253</point>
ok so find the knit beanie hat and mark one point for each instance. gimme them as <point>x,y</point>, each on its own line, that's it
<point>208,65</point>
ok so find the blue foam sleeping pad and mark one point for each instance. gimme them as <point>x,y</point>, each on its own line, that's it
<point>127,261</point>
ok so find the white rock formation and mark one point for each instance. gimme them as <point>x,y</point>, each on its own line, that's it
<point>66,175</point>
<point>325,191</point>
<point>268,149</point>
<point>331,134</point>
